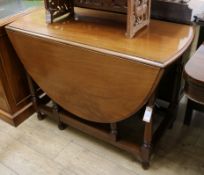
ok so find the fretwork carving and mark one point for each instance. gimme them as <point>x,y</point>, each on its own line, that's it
<point>138,11</point>
<point>58,8</point>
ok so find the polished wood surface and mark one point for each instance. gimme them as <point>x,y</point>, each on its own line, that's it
<point>94,86</point>
<point>138,11</point>
<point>194,68</point>
<point>74,63</point>
<point>96,77</point>
<point>15,104</point>
<point>161,43</point>
<point>194,83</point>
<point>194,76</point>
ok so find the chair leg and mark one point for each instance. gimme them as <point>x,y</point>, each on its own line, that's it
<point>188,113</point>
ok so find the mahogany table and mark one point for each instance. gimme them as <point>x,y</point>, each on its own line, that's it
<point>194,86</point>
<point>96,77</point>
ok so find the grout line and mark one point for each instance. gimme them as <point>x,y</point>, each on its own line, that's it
<point>97,154</point>
<point>62,150</point>
<point>9,168</point>
<point>40,153</point>
<point>104,157</point>
<point>35,150</point>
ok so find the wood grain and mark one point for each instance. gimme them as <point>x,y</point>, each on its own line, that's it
<point>94,86</point>
<point>194,84</point>
<point>161,42</point>
<point>91,70</point>
<point>15,104</point>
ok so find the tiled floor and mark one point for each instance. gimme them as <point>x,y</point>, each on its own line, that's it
<point>39,148</point>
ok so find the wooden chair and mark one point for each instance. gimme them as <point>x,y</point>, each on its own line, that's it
<point>194,86</point>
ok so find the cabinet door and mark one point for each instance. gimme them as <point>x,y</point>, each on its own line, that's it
<point>3,101</point>
<point>13,76</point>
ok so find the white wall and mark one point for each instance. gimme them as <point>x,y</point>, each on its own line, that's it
<point>197,6</point>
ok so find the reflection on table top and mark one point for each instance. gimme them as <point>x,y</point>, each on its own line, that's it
<point>161,42</point>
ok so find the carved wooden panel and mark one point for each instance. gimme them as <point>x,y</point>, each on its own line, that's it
<point>138,11</point>
<point>57,8</point>
<point>138,16</point>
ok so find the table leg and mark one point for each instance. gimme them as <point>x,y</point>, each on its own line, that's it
<point>146,147</point>
<point>148,133</point>
<point>55,109</point>
<point>34,97</point>
<point>114,131</point>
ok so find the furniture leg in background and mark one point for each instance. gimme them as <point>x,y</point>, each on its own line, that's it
<point>194,84</point>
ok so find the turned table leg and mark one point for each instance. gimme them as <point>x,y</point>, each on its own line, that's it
<point>148,133</point>
<point>146,147</point>
<point>34,97</point>
<point>55,109</point>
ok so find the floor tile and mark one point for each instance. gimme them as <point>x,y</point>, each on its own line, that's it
<point>10,130</point>
<point>26,161</point>
<point>5,141</point>
<point>82,161</point>
<point>6,171</point>
<point>39,148</point>
<point>44,140</point>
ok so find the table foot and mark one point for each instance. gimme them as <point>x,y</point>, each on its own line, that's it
<point>145,165</point>
<point>61,126</point>
<point>40,116</point>
<point>146,151</point>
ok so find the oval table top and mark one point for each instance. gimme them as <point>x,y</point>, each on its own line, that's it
<point>90,68</point>
<point>159,44</point>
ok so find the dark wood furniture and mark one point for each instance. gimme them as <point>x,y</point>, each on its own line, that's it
<point>97,79</point>
<point>172,10</point>
<point>138,11</point>
<point>15,101</point>
<point>194,86</point>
